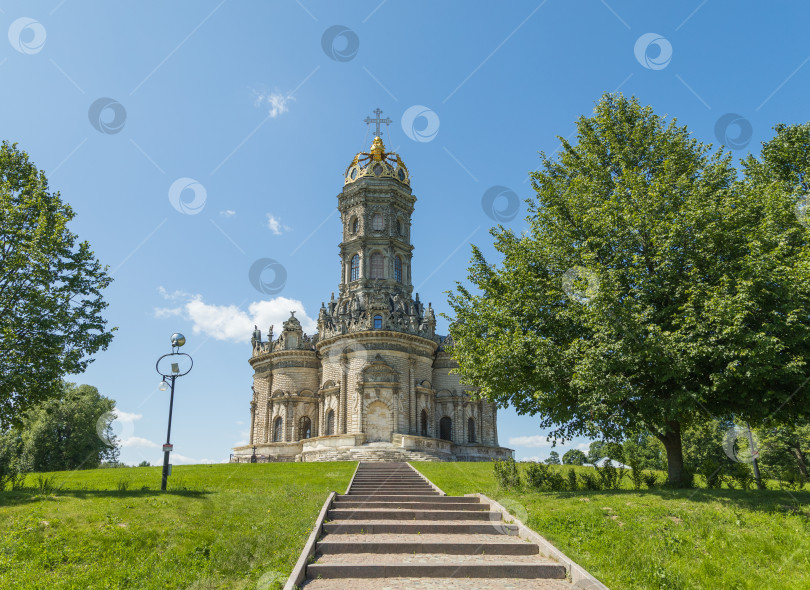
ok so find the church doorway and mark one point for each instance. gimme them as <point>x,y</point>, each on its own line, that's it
<point>446,428</point>
<point>304,428</point>
<point>378,425</point>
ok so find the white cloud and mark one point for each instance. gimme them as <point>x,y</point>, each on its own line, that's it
<point>275,225</point>
<point>177,458</point>
<point>137,441</point>
<point>231,323</point>
<point>536,440</point>
<point>227,213</point>
<point>126,416</point>
<point>276,102</point>
<point>534,459</point>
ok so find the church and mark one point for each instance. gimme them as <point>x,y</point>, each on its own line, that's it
<point>375,381</point>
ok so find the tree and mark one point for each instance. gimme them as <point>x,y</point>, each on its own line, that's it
<point>553,458</point>
<point>50,290</point>
<point>72,431</point>
<point>574,457</point>
<point>595,452</point>
<point>651,287</point>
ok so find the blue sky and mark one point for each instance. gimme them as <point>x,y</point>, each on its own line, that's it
<point>256,108</point>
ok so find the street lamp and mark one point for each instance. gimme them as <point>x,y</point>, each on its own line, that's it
<point>178,340</point>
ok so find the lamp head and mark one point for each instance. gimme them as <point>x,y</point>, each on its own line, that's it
<point>178,340</point>
<point>163,386</point>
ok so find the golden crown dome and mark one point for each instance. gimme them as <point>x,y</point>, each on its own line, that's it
<point>377,163</point>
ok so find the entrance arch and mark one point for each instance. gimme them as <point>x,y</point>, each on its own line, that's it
<point>378,423</point>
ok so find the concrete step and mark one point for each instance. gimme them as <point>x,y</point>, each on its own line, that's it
<point>446,544</point>
<point>412,514</point>
<point>437,584</point>
<point>456,568</point>
<point>424,527</point>
<point>435,497</point>
<point>349,505</point>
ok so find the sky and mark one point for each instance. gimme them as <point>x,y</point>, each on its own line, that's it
<point>196,140</point>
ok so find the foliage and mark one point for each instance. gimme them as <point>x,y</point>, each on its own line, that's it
<point>571,477</point>
<point>144,464</point>
<point>507,474</point>
<point>544,478</point>
<point>646,450</point>
<point>50,291</point>
<point>783,452</point>
<point>650,479</point>
<point>651,286</point>
<point>234,526</point>
<point>65,432</point>
<point>574,457</point>
<point>596,451</point>
<point>553,458</point>
<point>610,477</point>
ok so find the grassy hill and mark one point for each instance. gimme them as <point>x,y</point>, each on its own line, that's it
<point>218,526</point>
<point>667,539</point>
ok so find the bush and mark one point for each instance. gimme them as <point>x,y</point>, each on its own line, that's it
<point>506,474</point>
<point>589,481</point>
<point>544,478</point>
<point>572,480</point>
<point>741,475</point>
<point>650,479</point>
<point>711,471</point>
<point>634,462</point>
<point>609,476</point>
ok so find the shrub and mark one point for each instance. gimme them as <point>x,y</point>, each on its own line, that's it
<point>650,479</point>
<point>542,477</point>
<point>572,480</point>
<point>609,476</point>
<point>589,481</point>
<point>741,475</point>
<point>506,474</point>
<point>123,485</point>
<point>711,471</point>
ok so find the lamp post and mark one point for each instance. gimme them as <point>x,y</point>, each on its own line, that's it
<point>177,340</point>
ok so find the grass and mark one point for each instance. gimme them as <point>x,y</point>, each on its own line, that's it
<point>663,539</point>
<point>218,526</point>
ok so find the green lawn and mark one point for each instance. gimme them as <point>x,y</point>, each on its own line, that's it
<point>218,526</point>
<point>713,539</point>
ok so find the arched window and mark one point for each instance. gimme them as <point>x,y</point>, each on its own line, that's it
<point>304,428</point>
<point>377,222</point>
<point>446,428</point>
<point>470,430</point>
<point>355,225</point>
<point>377,322</point>
<point>355,273</point>
<point>399,227</point>
<point>397,269</point>
<point>278,429</point>
<point>376,266</point>
<point>330,422</point>
<point>423,423</point>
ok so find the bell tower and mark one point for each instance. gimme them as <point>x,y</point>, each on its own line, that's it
<point>376,253</point>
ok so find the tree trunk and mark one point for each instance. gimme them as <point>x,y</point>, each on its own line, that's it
<point>671,439</point>
<point>800,462</point>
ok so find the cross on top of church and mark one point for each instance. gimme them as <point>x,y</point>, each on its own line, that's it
<point>377,120</point>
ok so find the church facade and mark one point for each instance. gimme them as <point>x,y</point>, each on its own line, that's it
<point>375,381</point>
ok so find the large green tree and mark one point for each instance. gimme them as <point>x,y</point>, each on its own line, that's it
<point>72,431</point>
<point>50,290</point>
<point>651,288</point>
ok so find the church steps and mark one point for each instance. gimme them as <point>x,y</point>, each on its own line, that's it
<point>392,524</point>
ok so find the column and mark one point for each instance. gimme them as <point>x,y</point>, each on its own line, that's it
<point>344,394</point>
<point>252,420</point>
<point>413,421</point>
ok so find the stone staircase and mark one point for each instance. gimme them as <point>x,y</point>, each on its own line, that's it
<point>374,454</point>
<point>394,530</point>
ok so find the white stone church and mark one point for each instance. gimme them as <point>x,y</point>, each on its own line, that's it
<point>374,382</point>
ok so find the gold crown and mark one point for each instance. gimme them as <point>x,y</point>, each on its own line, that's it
<point>377,163</point>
